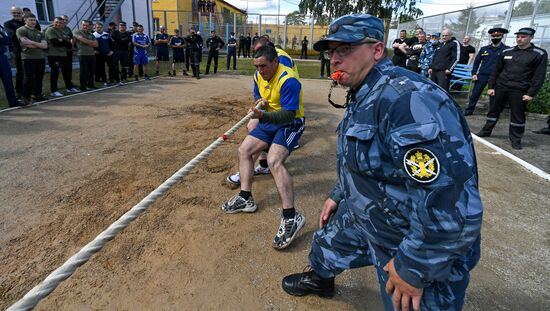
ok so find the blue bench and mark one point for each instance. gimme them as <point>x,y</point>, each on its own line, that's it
<point>461,75</point>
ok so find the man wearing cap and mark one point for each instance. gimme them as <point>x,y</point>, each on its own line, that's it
<point>484,64</point>
<point>518,76</point>
<point>194,44</point>
<point>407,199</point>
<point>427,55</point>
<point>446,57</point>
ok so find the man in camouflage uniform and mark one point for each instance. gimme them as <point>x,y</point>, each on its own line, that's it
<point>407,198</point>
<point>427,54</point>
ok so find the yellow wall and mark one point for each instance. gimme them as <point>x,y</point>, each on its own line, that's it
<point>178,14</point>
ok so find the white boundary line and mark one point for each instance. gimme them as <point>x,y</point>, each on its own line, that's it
<point>530,167</point>
<point>74,94</point>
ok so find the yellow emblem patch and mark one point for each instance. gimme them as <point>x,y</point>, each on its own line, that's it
<point>421,165</point>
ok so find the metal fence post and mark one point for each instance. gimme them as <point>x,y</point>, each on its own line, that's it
<point>260,24</point>
<point>532,23</point>
<point>165,23</point>
<point>285,30</point>
<point>468,24</point>
<point>227,38</point>
<point>312,20</point>
<point>235,23</point>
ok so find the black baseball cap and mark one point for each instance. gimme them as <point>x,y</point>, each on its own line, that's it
<point>525,31</point>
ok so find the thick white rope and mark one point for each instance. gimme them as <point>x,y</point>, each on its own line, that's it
<point>31,299</point>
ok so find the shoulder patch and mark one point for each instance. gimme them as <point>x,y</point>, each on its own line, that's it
<point>421,165</point>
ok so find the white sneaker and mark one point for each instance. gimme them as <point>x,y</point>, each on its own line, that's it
<point>105,84</point>
<point>288,229</point>
<point>57,94</point>
<point>120,84</point>
<point>235,179</point>
<point>73,90</point>
<point>238,204</point>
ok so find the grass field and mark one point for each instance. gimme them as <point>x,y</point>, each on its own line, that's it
<point>244,67</point>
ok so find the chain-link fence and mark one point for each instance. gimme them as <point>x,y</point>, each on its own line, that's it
<point>282,31</point>
<point>475,22</point>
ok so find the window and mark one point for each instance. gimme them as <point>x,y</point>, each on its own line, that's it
<point>156,24</point>
<point>44,10</point>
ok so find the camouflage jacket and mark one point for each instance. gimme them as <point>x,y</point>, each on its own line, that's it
<point>426,57</point>
<point>408,174</point>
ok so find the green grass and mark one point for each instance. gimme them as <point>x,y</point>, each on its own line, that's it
<point>309,70</point>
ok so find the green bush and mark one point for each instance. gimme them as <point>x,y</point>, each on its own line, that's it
<point>541,102</point>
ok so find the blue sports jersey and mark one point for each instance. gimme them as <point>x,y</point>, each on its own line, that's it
<point>142,39</point>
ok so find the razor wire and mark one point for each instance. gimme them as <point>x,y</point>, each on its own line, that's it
<point>31,299</point>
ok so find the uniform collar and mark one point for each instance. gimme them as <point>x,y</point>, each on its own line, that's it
<point>372,78</point>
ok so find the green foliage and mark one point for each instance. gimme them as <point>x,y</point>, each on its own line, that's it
<point>541,102</point>
<point>384,9</point>
<point>459,27</point>
<point>296,18</point>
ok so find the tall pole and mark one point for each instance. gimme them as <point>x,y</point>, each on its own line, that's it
<point>278,13</point>
<point>508,17</point>
<point>532,23</point>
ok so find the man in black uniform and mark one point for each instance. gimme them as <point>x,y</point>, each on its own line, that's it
<point>122,40</point>
<point>518,76</point>
<point>247,44</point>
<point>232,51</point>
<point>10,27</point>
<point>399,58</point>
<point>177,44</point>
<point>303,53</point>
<point>446,57</point>
<point>241,45</point>
<point>214,44</point>
<point>194,42</point>
<point>484,64</point>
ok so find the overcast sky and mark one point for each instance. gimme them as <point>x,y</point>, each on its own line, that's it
<point>429,7</point>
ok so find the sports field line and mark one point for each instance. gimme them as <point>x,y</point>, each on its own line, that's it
<point>530,167</point>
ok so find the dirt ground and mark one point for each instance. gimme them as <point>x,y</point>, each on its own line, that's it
<point>70,168</point>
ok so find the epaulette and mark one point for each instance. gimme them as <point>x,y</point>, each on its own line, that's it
<point>402,84</point>
<point>510,49</point>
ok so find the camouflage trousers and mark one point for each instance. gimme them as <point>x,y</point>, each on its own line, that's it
<point>343,245</point>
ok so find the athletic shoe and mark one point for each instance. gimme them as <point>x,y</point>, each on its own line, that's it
<point>308,282</point>
<point>120,83</point>
<point>235,179</point>
<point>146,78</point>
<point>26,102</point>
<point>517,145</point>
<point>288,230</point>
<point>105,84</point>
<point>73,90</point>
<point>39,98</point>
<point>57,94</point>
<point>238,204</point>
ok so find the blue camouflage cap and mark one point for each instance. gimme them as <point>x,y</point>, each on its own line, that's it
<point>352,28</point>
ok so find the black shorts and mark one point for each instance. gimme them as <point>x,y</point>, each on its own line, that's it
<point>178,58</point>
<point>163,56</point>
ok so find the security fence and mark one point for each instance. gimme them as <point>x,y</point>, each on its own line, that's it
<point>475,22</point>
<point>282,31</point>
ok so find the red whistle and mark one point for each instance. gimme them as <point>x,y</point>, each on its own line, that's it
<point>337,75</point>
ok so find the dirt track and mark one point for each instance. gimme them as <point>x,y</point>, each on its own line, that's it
<point>71,168</point>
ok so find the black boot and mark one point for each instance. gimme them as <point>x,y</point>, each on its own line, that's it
<point>194,70</point>
<point>305,283</point>
<point>198,71</point>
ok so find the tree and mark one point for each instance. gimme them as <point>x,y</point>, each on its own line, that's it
<point>322,20</point>
<point>461,25</point>
<point>296,18</point>
<point>384,9</point>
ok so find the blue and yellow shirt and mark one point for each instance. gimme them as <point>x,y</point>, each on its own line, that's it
<point>283,91</point>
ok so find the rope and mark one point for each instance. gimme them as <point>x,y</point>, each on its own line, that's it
<point>31,299</point>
